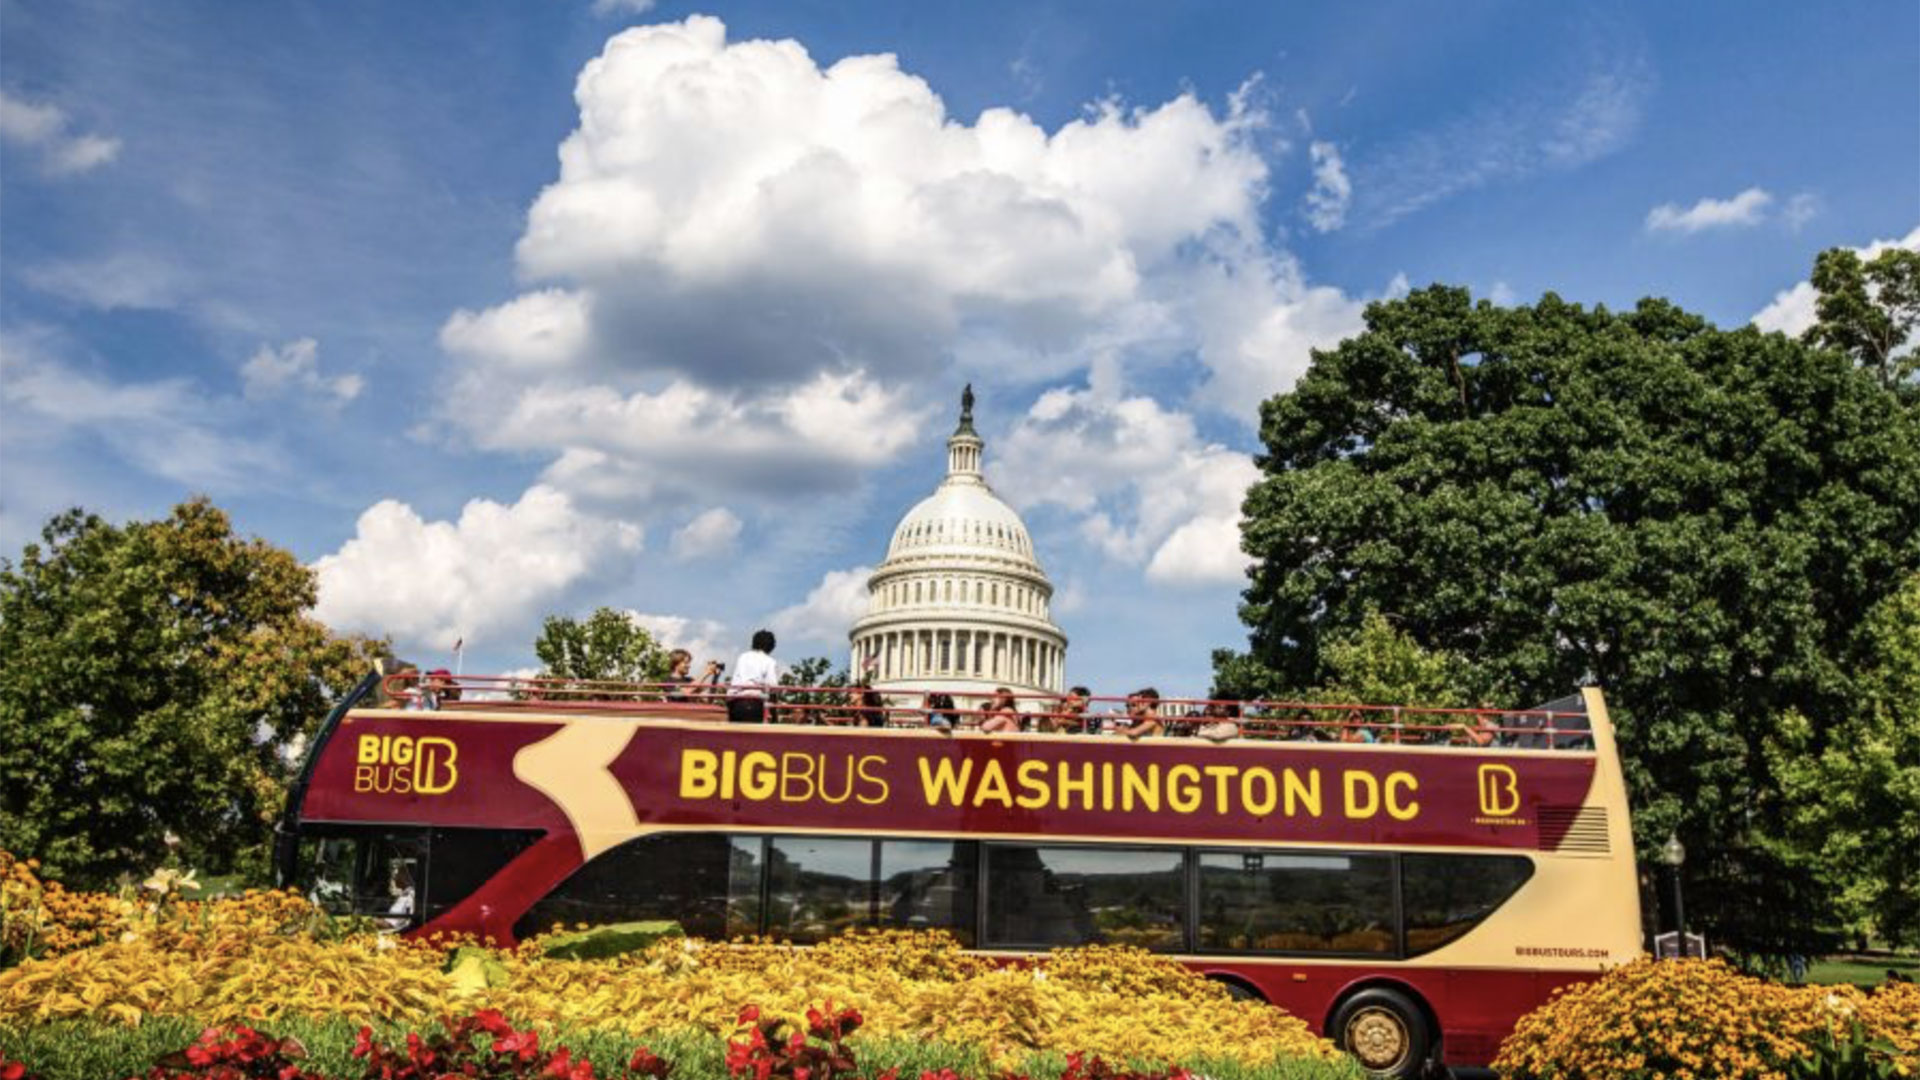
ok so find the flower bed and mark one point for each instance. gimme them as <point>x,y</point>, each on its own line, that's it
<point>1702,1019</point>
<point>267,960</point>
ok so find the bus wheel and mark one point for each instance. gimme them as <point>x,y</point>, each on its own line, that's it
<point>1238,990</point>
<point>1384,1031</point>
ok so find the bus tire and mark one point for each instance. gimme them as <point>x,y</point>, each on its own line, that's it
<point>1237,989</point>
<point>1385,1031</point>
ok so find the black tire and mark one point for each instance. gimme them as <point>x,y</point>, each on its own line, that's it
<point>1385,1032</point>
<point>1238,990</point>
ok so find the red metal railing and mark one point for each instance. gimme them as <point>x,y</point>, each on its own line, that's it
<point>843,706</point>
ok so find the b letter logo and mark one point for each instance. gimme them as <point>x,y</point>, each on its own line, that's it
<point>402,764</point>
<point>1499,791</point>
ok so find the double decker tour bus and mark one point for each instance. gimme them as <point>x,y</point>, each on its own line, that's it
<point>1410,897</point>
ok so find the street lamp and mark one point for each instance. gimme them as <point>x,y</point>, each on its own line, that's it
<point>1674,854</point>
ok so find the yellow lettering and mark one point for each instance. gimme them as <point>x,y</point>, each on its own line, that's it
<point>789,772</point>
<point>369,747</point>
<point>759,775</point>
<point>1262,805</point>
<point>1399,811</point>
<point>402,750</point>
<point>362,778</point>
<point>1147,787</point>
<point>729,762</point>
<point>433,771</point>
<point>993,785</point>
<point>1222,776</point>
<point>1032,776</point>
<point>878,781</point>
<point>1066,785</point>
<point>1106,785</point>
<point>1183,789</point>
<point>698,774</point>
<point>1307,794</point>
<point>1355,781</point>
<point>1499,790</point>
<point>844,795</point>
<point>941,781</point>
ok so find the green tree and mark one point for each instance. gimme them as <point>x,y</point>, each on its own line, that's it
<point>607,645</point>
<point>1853,805</point>
<point>1694,519</point>
<point>811,671</point>
<point>155,678</point>
<point>1380,664</point>
<point>1869,310</point>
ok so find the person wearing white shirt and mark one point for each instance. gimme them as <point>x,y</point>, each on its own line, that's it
<point>754,674</point>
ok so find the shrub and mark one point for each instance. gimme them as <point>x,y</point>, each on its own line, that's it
<point>1703,1019</point>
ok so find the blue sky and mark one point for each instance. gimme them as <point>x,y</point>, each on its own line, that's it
<point>492,310</point>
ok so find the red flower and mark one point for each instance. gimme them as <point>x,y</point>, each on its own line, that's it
<point>12,1070</point>
<point>648,1063</point>
<point>749,1014</point>
<point>363,1042</point>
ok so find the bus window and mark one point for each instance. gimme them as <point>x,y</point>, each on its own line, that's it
<point>367,871</point>
<point>929,885</point>
<point>1043,896</point>
<point>709,883</point>
<point>1447,895</point>
<point>817,888</point>
<point>1298,903</point>
<point>461,860</point>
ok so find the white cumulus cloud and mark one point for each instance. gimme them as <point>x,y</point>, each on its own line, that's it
<point>486,577</point>
<point>823,619</point>
<point>706,639</point>
<point>1745,209</point>
<point>294,369</point>
<point>1332,191</point>
<point>1145,487</point>
<point>47,132</point>
<point>710,534</point>
<point>1792,310</point>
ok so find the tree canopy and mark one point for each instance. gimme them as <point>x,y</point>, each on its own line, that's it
<point>155,678</point>
<point>607,645</point>
<point>1694,519</point>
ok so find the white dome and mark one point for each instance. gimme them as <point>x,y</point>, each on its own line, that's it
<point>960,603</point>
<point>962,519</point>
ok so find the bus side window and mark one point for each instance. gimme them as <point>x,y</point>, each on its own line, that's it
<point>459,861</point>
<point>1040,896</point>
<point>818,887</point>
<point>709,883</point>
<point>1297,902</point>
<point>929,885</point>
<point>1447,895</point>
<point>362,871</point>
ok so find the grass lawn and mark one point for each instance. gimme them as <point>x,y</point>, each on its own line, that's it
<point>1862,971</point>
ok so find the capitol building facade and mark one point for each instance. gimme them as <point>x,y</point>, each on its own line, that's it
<point>961,604</point>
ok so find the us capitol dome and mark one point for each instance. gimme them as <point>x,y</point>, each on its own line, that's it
<point>961,604</point>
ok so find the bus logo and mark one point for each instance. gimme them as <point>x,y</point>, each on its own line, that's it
<point>1499,791</point>
<point>405,764</point>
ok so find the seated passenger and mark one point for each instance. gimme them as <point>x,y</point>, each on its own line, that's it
<point>1143,714</point>
<point>1222,721</point>
<point>1482,730</point>
<point>873,711</point>
<point>1000,714</point>
<point>679,674</point>
<point>1069,715</point>
<point>940,711</point>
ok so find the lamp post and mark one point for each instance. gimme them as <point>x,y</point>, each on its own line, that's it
<point>1674,854</point>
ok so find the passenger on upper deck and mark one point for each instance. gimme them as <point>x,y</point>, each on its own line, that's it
<point>754,676</point>
<point>1222,721</point>
<point>940,711</point>
<point>1069,716</point>
<point>1143,710</point>
<point>1000,715</point>
<point>679,673</point>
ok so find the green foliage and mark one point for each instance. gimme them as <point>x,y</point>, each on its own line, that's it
<point>1380,664</point>
<point>153,677</point>
<point>1853,797</point>
<point>811,671</point>
<point>90,1050</point>
<point>1869,310</point>
<point>608,645</point>
<point>1694,519</point>
<point>613,939</point>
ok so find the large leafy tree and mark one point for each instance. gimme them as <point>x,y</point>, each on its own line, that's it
<point>1853,806</point>
<point>607,645</point>
<point>1694,519</point>
<point>154,679</point>
<point>1869,309</point>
